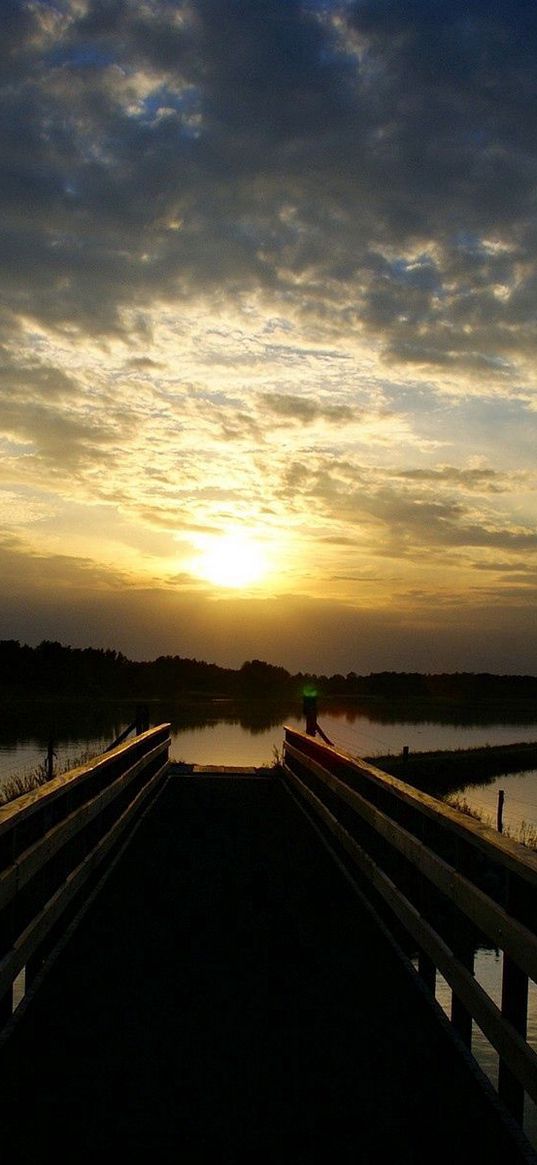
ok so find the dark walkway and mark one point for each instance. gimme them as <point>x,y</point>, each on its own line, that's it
<point>226,999</point>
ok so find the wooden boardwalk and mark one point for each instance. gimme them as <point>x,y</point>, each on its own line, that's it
<point>226,997</point>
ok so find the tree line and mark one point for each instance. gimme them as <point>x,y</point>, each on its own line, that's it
<point>53,669</point>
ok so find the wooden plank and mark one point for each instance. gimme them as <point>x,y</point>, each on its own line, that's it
<point>31,861</point>
<point>37,930</point>
<point>519,1057</point>
<point>499,848</point>
<point>505,931</point>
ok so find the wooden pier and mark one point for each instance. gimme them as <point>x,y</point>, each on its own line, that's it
<point>204,977</point>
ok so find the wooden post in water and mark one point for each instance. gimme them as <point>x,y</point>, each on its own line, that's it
<point>142,719</point>
<point>50,760</point>
<point>499,814</point>
<point>310,712</point>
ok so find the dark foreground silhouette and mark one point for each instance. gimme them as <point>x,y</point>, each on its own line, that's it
<point>227,998</point>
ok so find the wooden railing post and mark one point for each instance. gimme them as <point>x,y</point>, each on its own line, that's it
<point>463,946</point>
<point>142,719</point>
<point>427,971</point>
<point>310,712</point>
<point>461,1018</point>
<point>6,1006</point>
<point>514,1009</point>
<point>426,966</point>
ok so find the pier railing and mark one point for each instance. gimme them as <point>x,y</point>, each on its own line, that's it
<point>55,842</point>
<point>442,883</point>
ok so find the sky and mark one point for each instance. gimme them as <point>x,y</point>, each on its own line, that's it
<point>268,285</point>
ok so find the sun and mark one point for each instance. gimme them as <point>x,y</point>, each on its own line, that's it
<point>232,560</point>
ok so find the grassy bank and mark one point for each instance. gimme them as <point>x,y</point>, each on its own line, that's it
<point>443,772</point>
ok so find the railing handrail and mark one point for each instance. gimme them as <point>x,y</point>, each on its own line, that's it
<point>28,864</point>
<point>374,840</point>
<point>498,846</point>
<point>23,806</point>
<point>484,911</point>
<point>56,842</point>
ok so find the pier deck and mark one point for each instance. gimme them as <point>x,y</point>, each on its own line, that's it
<point>225,997</point>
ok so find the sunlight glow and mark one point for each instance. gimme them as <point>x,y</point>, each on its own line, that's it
<point>233,560</point>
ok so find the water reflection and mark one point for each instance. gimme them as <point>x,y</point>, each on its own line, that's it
<point>62,720</point>
<point>204,732</point>
<point>254,716</point>
<point>246,732</point>
<point>430,713</point>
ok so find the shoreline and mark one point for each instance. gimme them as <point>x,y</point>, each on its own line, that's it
<point>443,771</point>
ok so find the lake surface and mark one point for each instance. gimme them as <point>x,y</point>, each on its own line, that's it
<point>222,732</point>
<point>225,733</point>
<point>225,743</point>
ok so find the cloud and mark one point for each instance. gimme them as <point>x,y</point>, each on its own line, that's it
<point>28,574</point>
<point>479,480</point>
<point>272,265</point>
<point>306,411</point>
<point>426,510</point>
<point>169,150</point>
<point>58,437</point>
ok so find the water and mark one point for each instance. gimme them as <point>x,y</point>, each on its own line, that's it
<point>224,732</point>
<point>520,802</point>
<point>227,733</point>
